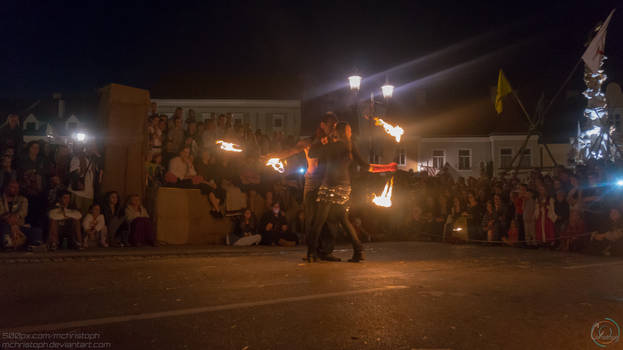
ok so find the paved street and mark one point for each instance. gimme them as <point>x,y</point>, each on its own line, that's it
<point>408,295</point>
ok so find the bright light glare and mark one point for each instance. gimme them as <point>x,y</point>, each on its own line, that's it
<point>395,131</point>
<point>385,199</point>
<point>354,81</point>
<point>277,165</point>
<point>228,146</point>
<point>620,183</point>
<point>80,136</point>
<point>302,170</point>
<point>388,90</point>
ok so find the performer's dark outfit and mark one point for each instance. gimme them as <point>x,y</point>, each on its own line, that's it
<point>334,193</point>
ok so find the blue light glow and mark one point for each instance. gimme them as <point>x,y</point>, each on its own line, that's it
<point>302,170</point>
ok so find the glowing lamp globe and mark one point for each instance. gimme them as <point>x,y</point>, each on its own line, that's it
<point>387,90</point>
<point>354,81</point>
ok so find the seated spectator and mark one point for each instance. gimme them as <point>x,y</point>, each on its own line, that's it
<point>245,231</point>
<point>64,223</point>
<point>115,219</point>
<point>141,228</point>
<point>274,228</point>
<point>13,211</point>
<point>7,173</point>
<point>182,172</point>
<point>216,194</point>
<point>610,242</point>
<point>94,227</point>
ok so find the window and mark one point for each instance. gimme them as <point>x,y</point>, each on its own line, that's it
<point>465,159</point>
<point>72,126</point>
<point>31,126</point>
<point>439,158</point>
<point>506,156</point>
<point>526,160</point>
<point>401,156</point>
<point>277,121</point>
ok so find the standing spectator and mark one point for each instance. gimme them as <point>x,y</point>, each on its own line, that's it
<point>529,217</point>
<point>474,217</point>
<point>114,217</point>
<point>208,137</point>
<point>275,228</point>
<point>94,227</point>
<point>33,171</point>
<point>545,217</point>
<point>153,109</point>
<point>141,229</point>
<point>7,173</point>
<point>65,223</point>
<point>156,136</point>
<point>60,163</point>
<point>572,237</point>
<point>11,135</point>
<point>488,221</point>
<point>13,212</point>
<point>175,136</point>
<point>245,231</point>
<point>85,176</point>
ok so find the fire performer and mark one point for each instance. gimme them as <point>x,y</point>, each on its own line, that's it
<point>313,178</point>
<point>334,192</point>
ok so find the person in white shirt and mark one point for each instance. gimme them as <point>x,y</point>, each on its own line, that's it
<point>64,221</point>
<point>85,172</point>
<point>182,166</point>
<point>94,227</point>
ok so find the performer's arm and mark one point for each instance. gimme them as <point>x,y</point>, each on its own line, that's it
<point>299,147</point>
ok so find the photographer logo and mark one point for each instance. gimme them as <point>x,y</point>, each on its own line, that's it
<point>605,332</point>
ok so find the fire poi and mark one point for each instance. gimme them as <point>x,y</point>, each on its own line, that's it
<point>228,146</point>
<point>395,131</point>
<point>385,199</point>
<point>277,164</point>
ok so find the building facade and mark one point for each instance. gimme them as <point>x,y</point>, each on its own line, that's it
<point>268,115</point>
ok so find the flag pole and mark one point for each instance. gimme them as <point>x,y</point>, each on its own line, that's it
<point>523,108</point>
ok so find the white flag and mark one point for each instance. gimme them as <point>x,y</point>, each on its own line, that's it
<point>595,50</point>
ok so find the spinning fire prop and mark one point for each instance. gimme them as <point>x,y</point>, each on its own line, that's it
<point>277,164</point>
<point>395,131</point>
<point>385,199</point>
<point>228,146</point>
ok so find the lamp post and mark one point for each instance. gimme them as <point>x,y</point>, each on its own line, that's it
<point>387,90</point>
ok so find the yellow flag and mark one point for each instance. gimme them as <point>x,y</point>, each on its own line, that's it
<point>504,88</point>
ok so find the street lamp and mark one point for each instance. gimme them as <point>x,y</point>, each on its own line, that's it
<point>387,90</point>
<point>355,82</point>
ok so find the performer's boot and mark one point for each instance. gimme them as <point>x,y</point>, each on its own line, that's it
<point>329,257</point>
<point>312,255</point>
<point>357,256</point>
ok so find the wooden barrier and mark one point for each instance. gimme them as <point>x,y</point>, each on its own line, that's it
<point>183,217</point>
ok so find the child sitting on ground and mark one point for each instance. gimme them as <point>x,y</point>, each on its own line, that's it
<point>94,226</point>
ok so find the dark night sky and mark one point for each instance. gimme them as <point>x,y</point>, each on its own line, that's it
<point>296,49</point>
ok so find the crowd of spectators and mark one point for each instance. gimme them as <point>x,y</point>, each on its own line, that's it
<point>51,195</point>
<point>568,210</point>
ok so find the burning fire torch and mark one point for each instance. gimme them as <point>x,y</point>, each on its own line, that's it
<point>277,164</point>
<point>385,199</point>
<point>395,131</point>
<point>228,146</point>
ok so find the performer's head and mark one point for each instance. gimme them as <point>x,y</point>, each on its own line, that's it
<point>327,123</point>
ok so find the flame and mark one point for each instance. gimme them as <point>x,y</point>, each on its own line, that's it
<point>277,164</point>
<point>395,131</point>
<point>228,146</point>
<point>385,199</point>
